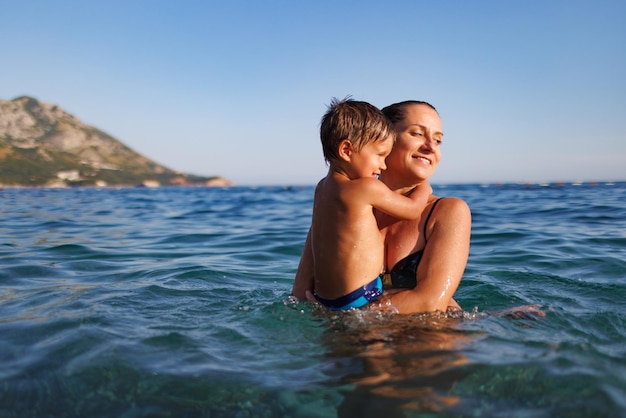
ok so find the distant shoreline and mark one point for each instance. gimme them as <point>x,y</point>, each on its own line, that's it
<point>229,184</point>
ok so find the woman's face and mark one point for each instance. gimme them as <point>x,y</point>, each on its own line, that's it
<point>416,153</point>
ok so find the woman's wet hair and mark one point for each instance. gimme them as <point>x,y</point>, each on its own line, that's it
<point>397,112</point>
<point>359,122</point>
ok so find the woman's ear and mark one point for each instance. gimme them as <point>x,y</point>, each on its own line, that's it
<point>345,150</point>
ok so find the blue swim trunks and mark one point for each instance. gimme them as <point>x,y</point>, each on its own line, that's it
<point>355,299</point>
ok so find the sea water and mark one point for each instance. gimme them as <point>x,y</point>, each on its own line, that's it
<point>139,302</point>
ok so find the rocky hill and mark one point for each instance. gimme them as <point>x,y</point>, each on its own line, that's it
<point>42,145</point>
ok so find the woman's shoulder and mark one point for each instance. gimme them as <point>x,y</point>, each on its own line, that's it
<point>451,216</point>
<point>451,207</point>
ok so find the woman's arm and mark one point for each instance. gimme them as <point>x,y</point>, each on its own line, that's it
<point>304,275</point>
<point>443,263</point>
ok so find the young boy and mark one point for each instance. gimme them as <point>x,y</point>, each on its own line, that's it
<point>346,245</point>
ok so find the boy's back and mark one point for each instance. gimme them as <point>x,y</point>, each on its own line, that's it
<point>347,245</point>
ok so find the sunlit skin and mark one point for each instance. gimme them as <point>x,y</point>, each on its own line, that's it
<point>368,162</point>
<point>417,150</point>
<point>412,160</point>
<point>344,247</point>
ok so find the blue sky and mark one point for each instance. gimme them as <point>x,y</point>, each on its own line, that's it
<point>528,91</point>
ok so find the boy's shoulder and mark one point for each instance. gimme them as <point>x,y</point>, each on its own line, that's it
<point>367,183</point>
<point>347,188</point>
<point>335,182</point>
<point>362,190</point>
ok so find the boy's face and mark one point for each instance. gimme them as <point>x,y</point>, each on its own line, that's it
<point>370,160</point>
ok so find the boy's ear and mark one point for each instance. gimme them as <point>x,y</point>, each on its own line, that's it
<point>345,150</point>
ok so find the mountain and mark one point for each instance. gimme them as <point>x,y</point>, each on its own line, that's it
<point>42,145</point>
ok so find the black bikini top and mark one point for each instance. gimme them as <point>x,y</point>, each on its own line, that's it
<point>404,273</point>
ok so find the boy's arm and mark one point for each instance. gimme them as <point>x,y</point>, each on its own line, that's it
<point>304,275</point>
<point>398,205</point>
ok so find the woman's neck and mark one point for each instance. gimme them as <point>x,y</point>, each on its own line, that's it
<point>399,185</point>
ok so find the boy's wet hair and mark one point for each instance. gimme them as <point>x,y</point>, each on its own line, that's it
<point>397,111</point>
<point>359,122</point>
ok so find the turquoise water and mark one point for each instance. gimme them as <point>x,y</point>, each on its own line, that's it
<point>175,302</point>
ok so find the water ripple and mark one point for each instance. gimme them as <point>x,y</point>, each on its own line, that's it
<point>175,301</point>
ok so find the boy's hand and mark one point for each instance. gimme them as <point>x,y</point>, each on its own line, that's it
<point>422,191</point>
<point>425,188</point>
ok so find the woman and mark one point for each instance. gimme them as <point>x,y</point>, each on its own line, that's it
<point>425,257</point>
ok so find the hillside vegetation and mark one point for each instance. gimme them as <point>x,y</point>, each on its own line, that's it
<point>42,145</point>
